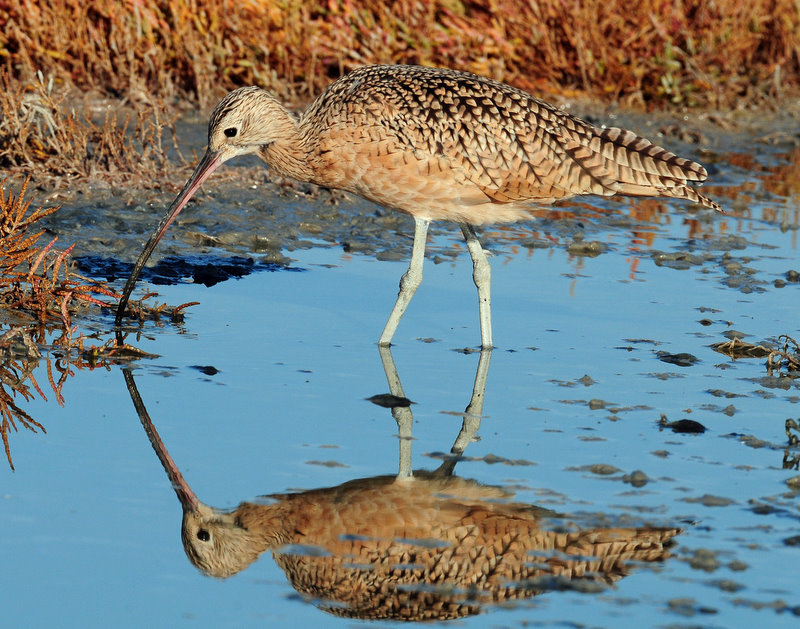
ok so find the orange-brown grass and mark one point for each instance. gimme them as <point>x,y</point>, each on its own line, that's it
<point>39,296</point>
<point>37,279</point>
<point>33,278</point>
<point>648,52</point>
<point>39,132</point>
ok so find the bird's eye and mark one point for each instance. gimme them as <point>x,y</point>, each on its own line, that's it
<point>203,535</point>
<point>231,132</point>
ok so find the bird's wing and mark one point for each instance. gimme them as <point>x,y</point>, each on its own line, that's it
<point>402,135</point>
<point>551,155</point>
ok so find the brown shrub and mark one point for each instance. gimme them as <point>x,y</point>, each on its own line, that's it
<point>650,52</point>
<point>39,132</point>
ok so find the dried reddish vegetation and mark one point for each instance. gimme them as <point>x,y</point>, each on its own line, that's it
<point>39,295</point>
<point>683,51</point>
<point>161,56</point>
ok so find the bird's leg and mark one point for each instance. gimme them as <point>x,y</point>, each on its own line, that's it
<point>409,282</point>
<point>482,275</point>
<point>472,417</point>
<point>402,414</point>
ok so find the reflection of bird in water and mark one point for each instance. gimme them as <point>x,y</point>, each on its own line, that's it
<point>422,548</point>
<point>419,546</point>
<point>439,145</point>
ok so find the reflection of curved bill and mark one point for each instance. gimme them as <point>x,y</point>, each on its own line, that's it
<point>417,546</point>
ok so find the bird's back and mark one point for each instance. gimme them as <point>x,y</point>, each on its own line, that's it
<point>444,144</point>
<point>433,548</point>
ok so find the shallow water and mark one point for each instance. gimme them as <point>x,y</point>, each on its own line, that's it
<point>262,391</point>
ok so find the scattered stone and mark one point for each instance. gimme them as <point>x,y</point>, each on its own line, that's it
<point>753,442</point>
<point>688,607</point>
<point>327,463</point>
<point>679,260</point>
<point>587,249</point>
<point>721,393</point>
<point>681,360</point>
<point>708,500</point>
<point>601,469</point>
<point>704,559</point>
<point>793,483</point>
<point>686,426</point>
<point>734,334</point>
<point>727,585</point>
<point>637,478</point>
<point>387,400</point>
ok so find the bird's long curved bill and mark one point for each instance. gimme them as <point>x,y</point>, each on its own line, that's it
<point>187,497</point>
<point>211,160</point>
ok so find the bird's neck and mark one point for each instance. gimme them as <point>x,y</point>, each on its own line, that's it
<point>268,525</point>
<point>287,154</point>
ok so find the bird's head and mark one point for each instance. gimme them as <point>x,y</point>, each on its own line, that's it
<point>218,543</point>
<point>246,120</point>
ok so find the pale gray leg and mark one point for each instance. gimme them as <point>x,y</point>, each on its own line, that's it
<point>472,416</point>
<point>409,282</point>
<point>402,414</point>
<point>482,275</point>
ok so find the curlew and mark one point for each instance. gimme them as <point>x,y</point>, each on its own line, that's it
<point>421,546</point>
<point>439,145</point>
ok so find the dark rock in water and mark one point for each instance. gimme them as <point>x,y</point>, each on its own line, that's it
<point>687,426</point>
<point>637,478</point>
<point>681,360</point>
<point>387,400</point>
<point>208,370</point>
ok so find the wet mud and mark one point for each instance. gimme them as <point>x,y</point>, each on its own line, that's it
<point>257,219</point>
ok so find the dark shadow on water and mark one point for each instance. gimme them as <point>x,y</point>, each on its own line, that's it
<point>202,269</point>
<point>417,545</point>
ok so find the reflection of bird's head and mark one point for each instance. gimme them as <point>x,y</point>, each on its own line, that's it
<point>217,542</point>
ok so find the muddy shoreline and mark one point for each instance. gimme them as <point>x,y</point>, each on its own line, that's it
<point>247,213</point>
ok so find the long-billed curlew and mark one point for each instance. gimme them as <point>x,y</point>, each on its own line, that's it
<point>439,145</point>
<point>421,546</point>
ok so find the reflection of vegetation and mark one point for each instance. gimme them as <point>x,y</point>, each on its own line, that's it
<point>14,373</point>
<point>19,359</point>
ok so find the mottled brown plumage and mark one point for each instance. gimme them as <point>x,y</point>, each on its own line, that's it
<point>446,145</point>
<point>421,546</point>
<point>439,145</point>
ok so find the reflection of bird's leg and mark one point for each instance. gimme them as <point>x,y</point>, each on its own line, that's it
<point>472,416</point>
<point>402,414</point>
<point>411,279</point>
<point>482,276</point>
